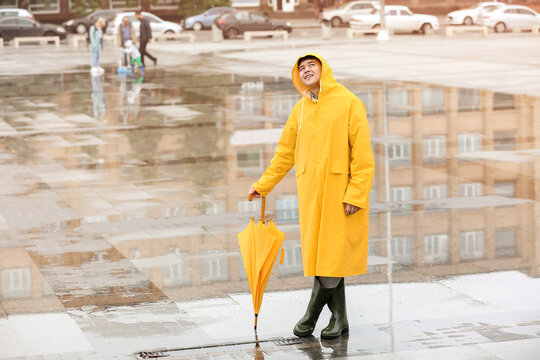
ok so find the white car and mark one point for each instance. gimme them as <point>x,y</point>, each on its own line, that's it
<point>158,25</point>
<point>398,19</point>
<point>16,12</point>
<point>510,17</point>
<point>343,14</point>
<point>470,16</point>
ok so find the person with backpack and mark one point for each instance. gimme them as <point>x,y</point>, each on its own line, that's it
<point>95,35</point>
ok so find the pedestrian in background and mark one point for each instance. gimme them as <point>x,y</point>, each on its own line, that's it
<point>326,139</point>
<point>96,45</point>
<point>145,36</point>
<point>125,32</point>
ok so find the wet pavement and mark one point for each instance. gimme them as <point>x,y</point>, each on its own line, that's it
<point>120,200</point>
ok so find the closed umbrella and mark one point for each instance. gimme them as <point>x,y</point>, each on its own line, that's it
<point>260,246</point>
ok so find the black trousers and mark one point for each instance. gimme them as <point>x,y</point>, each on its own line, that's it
<point>145,53</point>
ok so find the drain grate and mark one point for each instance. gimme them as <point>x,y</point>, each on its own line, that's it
<point>213,347</point>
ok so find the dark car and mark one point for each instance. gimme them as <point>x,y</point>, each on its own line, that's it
<point>15,26</point>
<point>235,23</point>
<point>206,19</point>
<point>81,25</point>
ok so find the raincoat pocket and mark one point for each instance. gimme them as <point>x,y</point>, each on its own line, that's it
<point>339,167</point>
<point>299,168</point>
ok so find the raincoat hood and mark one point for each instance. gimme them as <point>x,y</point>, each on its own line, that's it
<point>327,81</point>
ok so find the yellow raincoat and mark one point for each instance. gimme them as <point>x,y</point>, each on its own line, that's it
<point>328,143</point>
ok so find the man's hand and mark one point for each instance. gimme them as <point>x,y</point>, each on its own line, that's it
<point>350,209</point>
<point>254,193</point>
<point>149,40</point>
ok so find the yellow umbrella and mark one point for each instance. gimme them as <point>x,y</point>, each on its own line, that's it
<point>260,245</point>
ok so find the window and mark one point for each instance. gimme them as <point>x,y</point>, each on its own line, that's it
<point>433,192</point>
<point>257,17</point>
<point>433,101</point>
<point>400,153</point>
<point>436,249</point>
<point>503,101</point>
<point>507,189</point>
<point>214,266</point>
<point>164,4</point>
<point>249,161</point>
<point>7,22</point>
<point>16,283</point>
<point>397,102</point>
<point>44,7</point>
<point>292,262</point>
<point>505,243</point>
<point>405,13</point>
<point>525,12</point>
<point>402,250</point>
<point>504,141</point>
<point>391,13</point>
<point>25,23</point>
<point>249,206</point>
<point>468,100</point>
<point>7,4</point>
<point>212,208</point>
<point>470,189</point>
<point>287,207</point>
<point>367,99</point>
<point>472,245</point>
<point>176,274</point>
<point>242,16</point>
<point>434,148</point>
<point>125,4</point>
<point>469,143</point>
<point>282,105</point>
<point>401,195</point>
<point>510,11</point>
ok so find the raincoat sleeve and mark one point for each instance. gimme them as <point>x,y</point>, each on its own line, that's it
<point>283,159</point>
<point>362,164</point>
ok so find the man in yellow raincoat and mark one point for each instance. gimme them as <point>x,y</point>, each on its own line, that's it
<point>326,139</point>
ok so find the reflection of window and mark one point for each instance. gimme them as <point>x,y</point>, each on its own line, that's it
<point>472,245</point>
<point>434,148</point>
<point>470,189</point>
<point>505,243</point>
<point>436,248</point>
<point>249,161</point>
<point>401,195</point>
<point>469,143</point>
<point>16,283</point>
<point>44,7</point>
<point>397,102</point>
<point>287,207</point>
<point>468,100</point>
<point>503,101</point>
<point>432,192</point>
<point>213,208</point>
<point>125,4</point>
<point>504,140</point>
<point>432,101</point>
<point>134,253</point>
<point>249,206</point>
<point>402,249</point>
<point>163,4</point>
<point>292,262</point>
<point>507,189</point>
<point>214,265</point>
<point>176,274</point>
<point>399,154</point>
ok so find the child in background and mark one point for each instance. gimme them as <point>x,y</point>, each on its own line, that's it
<point>135,55</point>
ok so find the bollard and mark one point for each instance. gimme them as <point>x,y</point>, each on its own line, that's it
<point>217,34</point>
<point>326,29</point>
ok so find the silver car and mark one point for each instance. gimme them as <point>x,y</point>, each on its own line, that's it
<point>510,17</point>
<point>158,25</point>
<point>343,14</point>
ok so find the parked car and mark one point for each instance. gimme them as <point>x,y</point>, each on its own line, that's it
<point>16,12</point>
<point>206,19</point>
<point>470,16</point>
<point>16,26</point>
<point>235,23</point>
<point>344,13</point>
<point>81,25</point>
<point>398,19</point>
<point>158,25</point>
<point>510,17</point>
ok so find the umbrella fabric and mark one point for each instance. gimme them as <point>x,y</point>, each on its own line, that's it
<point>259,245</point>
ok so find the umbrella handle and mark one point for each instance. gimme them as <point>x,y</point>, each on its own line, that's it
<point>263,206</point>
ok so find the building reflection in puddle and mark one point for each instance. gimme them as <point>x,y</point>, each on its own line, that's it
<point>154,189</point>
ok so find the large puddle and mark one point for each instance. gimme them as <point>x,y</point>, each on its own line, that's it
<point>118,190</point>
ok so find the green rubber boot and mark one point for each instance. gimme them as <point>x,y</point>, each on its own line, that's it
<point>338,322</point>
<point>319,297</point>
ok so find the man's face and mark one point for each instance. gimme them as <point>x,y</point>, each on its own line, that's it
<point>310,72</point>
<point>138,16</point>
<point>126,21</point>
